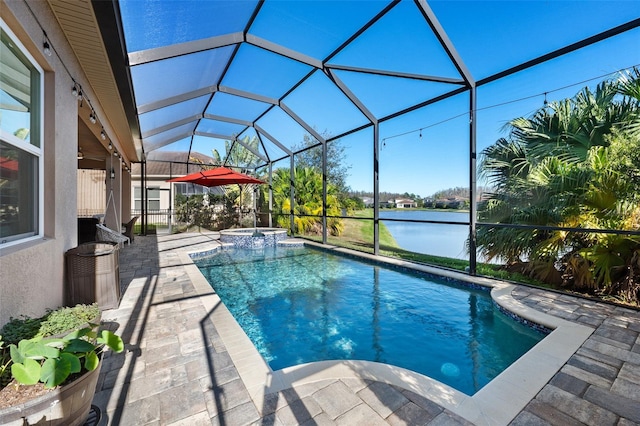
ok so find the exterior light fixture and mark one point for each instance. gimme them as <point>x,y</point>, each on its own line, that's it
<point>110,146</point>
<point>92,117</point>
<point>113,173</point>
<point>115,154</point>
<point>74,89</point>
<point>46,47</point>
<point>103,135</point>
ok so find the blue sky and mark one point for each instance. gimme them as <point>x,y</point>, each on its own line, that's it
<point>439,159</point>
<point>489,37</point>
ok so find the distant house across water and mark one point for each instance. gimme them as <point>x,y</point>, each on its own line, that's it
<point>448,203</point>
<point>405,203</point>
<point>400,203</point>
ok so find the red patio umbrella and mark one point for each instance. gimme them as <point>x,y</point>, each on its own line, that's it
<point>217,177</point>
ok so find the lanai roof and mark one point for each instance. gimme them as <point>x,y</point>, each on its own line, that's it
<point>193,74</point>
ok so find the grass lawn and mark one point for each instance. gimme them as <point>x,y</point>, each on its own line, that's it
<point>358,235</point>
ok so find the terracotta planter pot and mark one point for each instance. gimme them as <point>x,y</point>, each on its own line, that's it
<point>66,405</point>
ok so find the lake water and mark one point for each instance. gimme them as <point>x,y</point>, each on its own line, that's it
<point>429,238</point>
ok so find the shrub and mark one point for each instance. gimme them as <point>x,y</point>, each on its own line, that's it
<point>54,322</point>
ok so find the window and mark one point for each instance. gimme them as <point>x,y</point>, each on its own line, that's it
<point>21,165</point>
<point>153,198</point>
<point>188,189</point>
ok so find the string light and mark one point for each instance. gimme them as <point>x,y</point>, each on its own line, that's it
<point>76,89</point>
<point>546,103</point>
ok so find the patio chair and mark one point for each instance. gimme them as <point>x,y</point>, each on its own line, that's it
<point>107,234</point>
<point>128,228</point>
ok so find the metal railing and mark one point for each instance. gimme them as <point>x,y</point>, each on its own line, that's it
<point>158,220</point>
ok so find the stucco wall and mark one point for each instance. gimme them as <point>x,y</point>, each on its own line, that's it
<point>32,274</point>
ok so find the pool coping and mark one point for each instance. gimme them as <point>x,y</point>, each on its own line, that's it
<point>497,403</point>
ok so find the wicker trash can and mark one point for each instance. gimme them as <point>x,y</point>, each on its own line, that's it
<point>93,274</point>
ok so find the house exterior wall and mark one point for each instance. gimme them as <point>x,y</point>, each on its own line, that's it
<point>32,276</point>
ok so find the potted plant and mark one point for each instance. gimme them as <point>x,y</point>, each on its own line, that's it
<point>55,323</point>
<point>53,379</point>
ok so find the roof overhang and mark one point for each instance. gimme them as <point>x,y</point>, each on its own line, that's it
<point>80,24</point>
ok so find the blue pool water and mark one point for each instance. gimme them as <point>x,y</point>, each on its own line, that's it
<point>300,305</point>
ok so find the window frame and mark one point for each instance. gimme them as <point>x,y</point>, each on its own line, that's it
<point>35,148</point>
<point>137,197</point>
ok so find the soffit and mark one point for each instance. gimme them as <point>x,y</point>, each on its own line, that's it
<point>78,22</point>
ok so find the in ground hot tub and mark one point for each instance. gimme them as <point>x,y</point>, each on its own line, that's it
<point>253,237</point>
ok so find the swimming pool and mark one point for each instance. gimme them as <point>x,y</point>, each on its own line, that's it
<point>300,305</point>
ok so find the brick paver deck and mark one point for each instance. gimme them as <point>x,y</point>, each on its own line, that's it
<point>176,369</point>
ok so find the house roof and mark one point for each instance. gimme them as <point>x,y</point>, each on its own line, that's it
<point>171,164</point>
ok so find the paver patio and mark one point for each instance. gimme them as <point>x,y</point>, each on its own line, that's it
<point>176,369</point>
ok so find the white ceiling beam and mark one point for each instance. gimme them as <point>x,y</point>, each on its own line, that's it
<point>227,119</point>
<point>170,126</point>
<point>171,51</point>
<point>273,140</point>
<point>396,74</point>
<point>302,123</point>
<point>284,51</point>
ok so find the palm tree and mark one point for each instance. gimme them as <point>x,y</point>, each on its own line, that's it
<point>629,87</point>
<point>307,201</point>
<point>562,168</point>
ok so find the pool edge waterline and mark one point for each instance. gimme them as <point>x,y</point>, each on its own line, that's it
<point>496,403</point>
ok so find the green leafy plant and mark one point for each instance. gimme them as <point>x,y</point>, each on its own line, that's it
<point>57,321</point>
<point>52,360</point>
<point>5,361</point>
<point>573,164</point>
<point>68,318</point>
